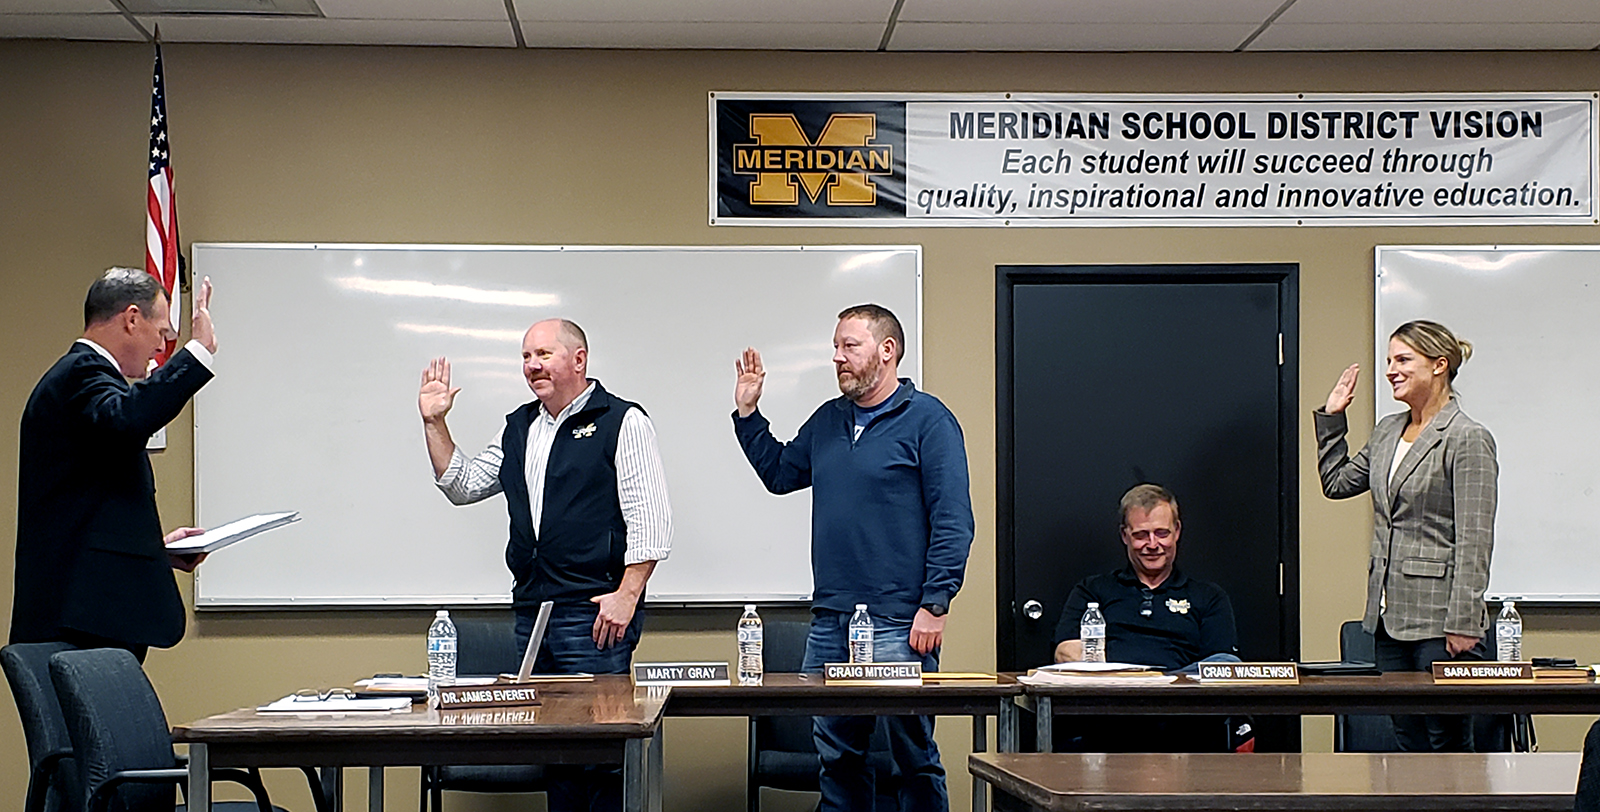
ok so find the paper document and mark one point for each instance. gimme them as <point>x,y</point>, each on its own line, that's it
<point>218,537</point>
<point>336,704</point>
<point>1096,668</point>
<point>376,684</point>
<point>1043,677</point>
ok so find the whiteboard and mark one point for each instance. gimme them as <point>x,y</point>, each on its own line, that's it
<point>1530,313</point>
<point>314,407</point>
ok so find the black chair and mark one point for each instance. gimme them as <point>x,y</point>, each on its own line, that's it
<point>52,772</point>
<point>485,647</point>
<point>120,737</point>
<point>783,754</point>
<point>1372,733</point>
<point>1588,797</point>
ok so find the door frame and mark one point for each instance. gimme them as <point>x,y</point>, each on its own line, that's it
<point>1286,277</point>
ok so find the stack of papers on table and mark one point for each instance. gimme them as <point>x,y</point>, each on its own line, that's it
<point>336,704</point>
<point>1096,674</point>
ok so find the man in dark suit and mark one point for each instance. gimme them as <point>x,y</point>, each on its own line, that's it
<point>90,568</point>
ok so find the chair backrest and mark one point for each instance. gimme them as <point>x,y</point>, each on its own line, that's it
<point>487,646</point>
<point>27,667</point>
<point>116,723</point>
<point>1355,643</point>
<point>1588,797</point>
<point>783,650</point>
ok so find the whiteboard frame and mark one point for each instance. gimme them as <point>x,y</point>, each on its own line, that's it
<point>202,602</point>
<point>1383,403</point>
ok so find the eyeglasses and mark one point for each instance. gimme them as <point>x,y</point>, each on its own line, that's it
<point>313,695</point>
<point>1160,534</point>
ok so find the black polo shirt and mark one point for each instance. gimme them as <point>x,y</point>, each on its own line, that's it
<point>1187,619</point>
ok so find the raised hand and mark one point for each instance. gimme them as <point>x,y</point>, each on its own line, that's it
<point>200,327</point>
<point>1344,391</point>
<point>747,388</point>
<point>436,397</point>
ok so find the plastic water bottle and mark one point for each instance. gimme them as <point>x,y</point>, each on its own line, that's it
<point>441,652</point>
<point>1092,632</point>
<point>861,635</point>
<point>1508,634</point>
<point>750,666</point>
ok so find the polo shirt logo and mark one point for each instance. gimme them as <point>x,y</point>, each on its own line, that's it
<point>583,431</point>
<point>1178,607</point>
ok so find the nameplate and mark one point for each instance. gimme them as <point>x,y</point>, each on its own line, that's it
<point>656,674</point>
<point>499,695</point>
<point>493,717</point>
<point>906,673</point>
<point>1482,672</point>
<point>1276,673</point>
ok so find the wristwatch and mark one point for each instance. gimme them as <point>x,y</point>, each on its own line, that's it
<point>936,609</point>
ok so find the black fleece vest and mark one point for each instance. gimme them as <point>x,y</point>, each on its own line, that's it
<point>578,550</point>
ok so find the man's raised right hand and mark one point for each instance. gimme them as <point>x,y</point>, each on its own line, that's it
<point>436,397</point>
<point>747,387</point>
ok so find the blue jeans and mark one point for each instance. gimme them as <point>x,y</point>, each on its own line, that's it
<point>569,648</point>
<point>846,781</point>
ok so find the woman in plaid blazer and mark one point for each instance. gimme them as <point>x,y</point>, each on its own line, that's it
<point>1432,474</point>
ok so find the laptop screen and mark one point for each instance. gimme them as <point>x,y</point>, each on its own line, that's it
<point>535,639</point>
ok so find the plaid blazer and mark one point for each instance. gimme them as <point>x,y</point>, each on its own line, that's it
<point>1432,525</point>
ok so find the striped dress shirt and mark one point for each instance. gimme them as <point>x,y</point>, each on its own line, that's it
<point>641,481</point>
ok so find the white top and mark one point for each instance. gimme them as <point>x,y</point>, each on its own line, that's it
<point>641,481</point>
<point>1401,449</point>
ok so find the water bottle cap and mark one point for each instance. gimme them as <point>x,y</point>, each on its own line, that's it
<point>1094,604</point>
<point>441,613</point>
<point>1510,603</point>
<point>861,607</point>
<point>749,607</point>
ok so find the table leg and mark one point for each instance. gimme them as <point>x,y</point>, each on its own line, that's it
<point>633,778</point>
<point>658,771</point>
<point>1008,727</point>
<point>199,778</point>
<point>374,789</point>
<point>333,788</point>
<point>980,744</point>
<point>1043,725</point>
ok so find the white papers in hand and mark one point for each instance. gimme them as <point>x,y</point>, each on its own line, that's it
<point>336,704</point>
<point>218,537</point>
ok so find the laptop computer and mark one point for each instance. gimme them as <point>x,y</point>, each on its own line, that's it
<point>535,639</point>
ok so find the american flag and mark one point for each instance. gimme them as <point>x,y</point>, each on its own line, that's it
<point>161,223</point>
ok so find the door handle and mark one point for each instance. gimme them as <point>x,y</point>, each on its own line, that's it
<point>1033,610</point>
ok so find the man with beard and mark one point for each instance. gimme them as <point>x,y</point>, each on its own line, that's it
<point>583,481</point>
<point>891,526</point>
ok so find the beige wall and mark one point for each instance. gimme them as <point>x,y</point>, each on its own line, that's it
<point>492,146</point>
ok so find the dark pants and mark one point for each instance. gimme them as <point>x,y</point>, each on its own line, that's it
<point>1422,734</point>
<point>847,781</point>
<point>79,639</point>
<point>569,648</point>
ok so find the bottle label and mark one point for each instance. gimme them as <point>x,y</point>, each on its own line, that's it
<point>750,635</point>
<point>441,645</point>
<point>1089,630</point>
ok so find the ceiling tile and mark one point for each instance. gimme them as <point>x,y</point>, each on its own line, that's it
<point>302,30</point>
<point>58,7</point>
<point>801,13</point>
<point>1378,12</point>
<point>414,9</point>
<point>68,26</point>
<point>1089,11</point>
<point>1068,37</point>
<point>1428,37</point>
<point>772,36</point>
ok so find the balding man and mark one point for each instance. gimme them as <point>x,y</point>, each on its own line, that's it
<point>589,515</point>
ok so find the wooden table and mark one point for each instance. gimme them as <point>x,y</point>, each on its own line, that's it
<point>606,721</point>
<point>1412,692</point>
<point>807,695</point>
<point>1311,782</point>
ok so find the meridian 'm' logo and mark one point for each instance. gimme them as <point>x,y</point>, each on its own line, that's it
<point>843,154</point>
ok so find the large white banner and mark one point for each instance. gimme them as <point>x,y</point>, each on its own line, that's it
<point>1153,160</point>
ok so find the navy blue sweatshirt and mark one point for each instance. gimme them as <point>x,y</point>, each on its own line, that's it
<point>891,513</point>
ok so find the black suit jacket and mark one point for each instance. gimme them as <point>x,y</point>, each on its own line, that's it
<point>89,549</point>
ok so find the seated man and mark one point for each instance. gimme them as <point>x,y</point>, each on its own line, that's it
<point>1155,616</point>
